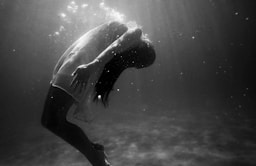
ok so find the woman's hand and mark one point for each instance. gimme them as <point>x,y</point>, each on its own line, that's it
<point>81,76</point>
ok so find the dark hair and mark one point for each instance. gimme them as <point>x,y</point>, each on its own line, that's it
<point>138,57</point>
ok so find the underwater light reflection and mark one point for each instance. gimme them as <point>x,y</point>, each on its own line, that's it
<point>83,16</point>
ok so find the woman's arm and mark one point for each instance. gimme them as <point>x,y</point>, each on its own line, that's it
<point>83,72</point>
<point>129,39</point>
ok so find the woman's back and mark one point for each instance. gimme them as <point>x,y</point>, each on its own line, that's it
<point>83,51</point>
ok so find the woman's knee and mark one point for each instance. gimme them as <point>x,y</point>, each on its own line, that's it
<point>44,121</point>
<point>56,108</point>
<point>53,119</point>
<point>48,121</point>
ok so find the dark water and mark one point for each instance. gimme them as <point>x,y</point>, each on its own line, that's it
<point>194,107</point>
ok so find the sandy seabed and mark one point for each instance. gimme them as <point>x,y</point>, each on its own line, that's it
<point>144,138</point>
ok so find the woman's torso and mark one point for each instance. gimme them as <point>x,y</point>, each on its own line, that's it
<point>83,51</point>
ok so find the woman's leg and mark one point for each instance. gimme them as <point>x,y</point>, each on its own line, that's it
<point>56,108</point>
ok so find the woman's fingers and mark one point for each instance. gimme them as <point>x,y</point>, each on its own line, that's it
<point>76,85</point>
<point>82,87</point>
<point>74,81</point>
<point>75,72</point>
<point>79,81</point>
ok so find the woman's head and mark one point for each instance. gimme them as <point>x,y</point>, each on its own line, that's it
<point>141,56</point>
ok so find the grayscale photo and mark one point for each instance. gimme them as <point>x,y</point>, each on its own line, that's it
<point>127,83</point>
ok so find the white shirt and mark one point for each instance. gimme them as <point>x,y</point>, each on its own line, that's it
<point>98,42</point>
<point>84,51</point>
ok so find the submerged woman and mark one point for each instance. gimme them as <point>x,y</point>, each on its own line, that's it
<point>86,73</point>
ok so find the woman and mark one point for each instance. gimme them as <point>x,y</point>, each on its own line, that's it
<point>86,73</point>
